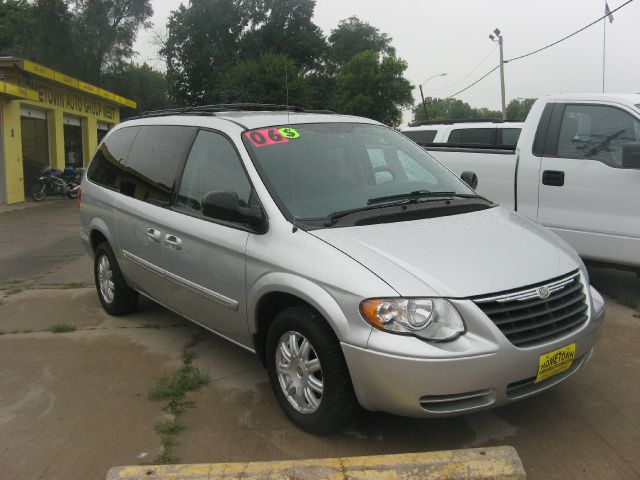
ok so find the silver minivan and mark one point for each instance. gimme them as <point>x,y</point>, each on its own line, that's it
<point>358,268</point>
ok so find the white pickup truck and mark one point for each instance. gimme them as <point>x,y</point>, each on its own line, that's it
<point>575,169</point>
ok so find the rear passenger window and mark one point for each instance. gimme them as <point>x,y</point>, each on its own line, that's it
<point>509,136</point>
<point>421,137</point>
<point>473,136</point>
<point>107,166</point>
<point>157,153</point>
<point>213,165</point>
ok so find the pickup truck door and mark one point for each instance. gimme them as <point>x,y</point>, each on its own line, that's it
<point>585,194</point>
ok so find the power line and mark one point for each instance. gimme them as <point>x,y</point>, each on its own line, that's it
<point>541,49</point>
<point>477,81</point>
<point>570,35</point>
<point>491,52</point>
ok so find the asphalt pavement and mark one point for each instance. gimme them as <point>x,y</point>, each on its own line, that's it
<point>74,404</point>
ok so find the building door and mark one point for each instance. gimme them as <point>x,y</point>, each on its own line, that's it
<point>72,141</point>
<point>35,144</point>
<point>103,129</point>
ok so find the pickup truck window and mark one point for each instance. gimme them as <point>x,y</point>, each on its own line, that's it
<point>473,136</point>
<point>596,132</point>
<point>421,137</point>
<point>509,136</point>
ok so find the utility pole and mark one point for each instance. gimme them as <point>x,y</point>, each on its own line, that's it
<point>424,104</point>
<point>499,39</point>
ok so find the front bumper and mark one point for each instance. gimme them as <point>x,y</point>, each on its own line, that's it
<point>472,373</point>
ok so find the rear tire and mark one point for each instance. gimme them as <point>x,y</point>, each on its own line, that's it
<point>39,192</point>
<point>116,297</point>
<point>73,191</point>
<point>318,398</point>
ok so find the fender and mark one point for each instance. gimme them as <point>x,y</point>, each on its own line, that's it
<point>96,223</point>
<point>316,296</point>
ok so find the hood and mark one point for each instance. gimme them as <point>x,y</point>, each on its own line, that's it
<point>457,256</point>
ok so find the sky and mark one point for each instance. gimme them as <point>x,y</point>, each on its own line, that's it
<point>452,37</point>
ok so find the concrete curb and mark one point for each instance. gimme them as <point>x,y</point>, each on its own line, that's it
<point>497,463</point>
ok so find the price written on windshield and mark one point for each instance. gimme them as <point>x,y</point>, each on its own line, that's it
<point>271,136</point>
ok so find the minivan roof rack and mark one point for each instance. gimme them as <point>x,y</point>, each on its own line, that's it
<point>456,120</point>
<point>227,107</point>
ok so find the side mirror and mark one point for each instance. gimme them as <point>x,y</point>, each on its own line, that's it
<point>631,155</point>
<point>470,178</point>
<point>225,205</point>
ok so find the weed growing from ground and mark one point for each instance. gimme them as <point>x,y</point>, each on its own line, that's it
<point>173,389</point>
<point>170,426</point>
<point>63,328</point>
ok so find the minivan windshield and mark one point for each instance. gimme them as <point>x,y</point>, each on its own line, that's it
<point>318,170</point>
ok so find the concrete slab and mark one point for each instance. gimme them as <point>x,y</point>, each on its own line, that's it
<point>73,405</point>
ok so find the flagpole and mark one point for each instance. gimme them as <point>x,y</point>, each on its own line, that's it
<point>604,48</point>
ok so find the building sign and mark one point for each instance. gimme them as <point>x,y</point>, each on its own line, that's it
<point>51,96</point>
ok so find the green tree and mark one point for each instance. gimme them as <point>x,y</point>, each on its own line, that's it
<point>285,27</point>
<point>106,31</point>
<point>140,82</point>
<point>14,15</point>
<point>82,38</point>
<point>263,81</point>
<point>451,109</point>
<point>202,42</point>
<point>373,87</point>
<point>39,30</point>
<point>353,36</point>
<point>518,109</point>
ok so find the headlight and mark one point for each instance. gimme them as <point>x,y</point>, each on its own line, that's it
<point>434,319</point>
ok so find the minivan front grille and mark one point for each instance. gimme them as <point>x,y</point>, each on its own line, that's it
<point>539,313</point>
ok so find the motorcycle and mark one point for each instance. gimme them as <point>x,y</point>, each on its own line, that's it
<point>57,182</point>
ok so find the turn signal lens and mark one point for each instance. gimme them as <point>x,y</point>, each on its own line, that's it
<point>434,319</point>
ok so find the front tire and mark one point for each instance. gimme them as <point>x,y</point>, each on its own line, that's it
<point>116,297</point>
<point>39,192</point>
<point>307,371</point>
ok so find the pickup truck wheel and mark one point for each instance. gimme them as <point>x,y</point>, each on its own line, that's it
<point>116,297</point>
<point>307,371</point>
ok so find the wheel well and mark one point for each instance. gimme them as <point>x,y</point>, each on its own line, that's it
<point>268,307</point>
<point>96,238</point>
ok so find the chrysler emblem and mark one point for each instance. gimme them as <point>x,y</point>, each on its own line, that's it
<point>543,292</point>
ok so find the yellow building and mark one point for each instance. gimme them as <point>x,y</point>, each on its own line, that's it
<point>48,119</point>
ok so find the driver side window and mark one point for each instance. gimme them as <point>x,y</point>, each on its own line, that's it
<point>596,132</point>
<point>213,165</point>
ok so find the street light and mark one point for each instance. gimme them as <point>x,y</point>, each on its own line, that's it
<point>424,106</point>
<point>496,36</point>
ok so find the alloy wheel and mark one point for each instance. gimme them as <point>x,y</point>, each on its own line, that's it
<point>105,279</point>
<point>299,372</point>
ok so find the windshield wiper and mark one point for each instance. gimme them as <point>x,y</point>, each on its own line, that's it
<point>391,200</point>
<point>333,217</point>
<point>419,194</point>
<point>604,143</point>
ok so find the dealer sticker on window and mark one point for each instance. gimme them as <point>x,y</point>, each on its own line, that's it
<point>271,136</point>
<point>555,362</point>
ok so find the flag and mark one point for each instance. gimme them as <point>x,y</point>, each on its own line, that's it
<point>608,12</point>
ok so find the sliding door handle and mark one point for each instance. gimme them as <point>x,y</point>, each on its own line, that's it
<point>173,242</point>
<point>154,235</point>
